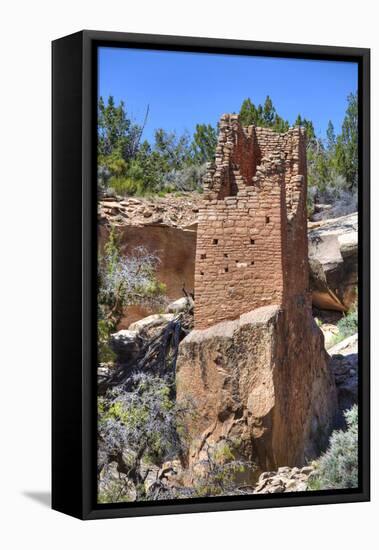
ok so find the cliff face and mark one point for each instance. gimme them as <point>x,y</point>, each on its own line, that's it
<point>333,260</point>
<point>262,380</point>
<point>175,249</point>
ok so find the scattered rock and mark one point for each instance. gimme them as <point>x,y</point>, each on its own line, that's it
<point>284,469</point>
<point>284,480</point>
<point>180,305</point>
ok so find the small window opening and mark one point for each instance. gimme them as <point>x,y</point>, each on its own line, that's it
<point>252,241</point>
<point>225,255</point>
<point>215,241</point>
<point>267,219</point>
<point>203,256</point>
<point>226,269</point>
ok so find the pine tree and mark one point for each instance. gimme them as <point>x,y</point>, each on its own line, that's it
<point>248,113</point>
<point>264,116</point>
<point>269,113</point>
<point>347,143</point>
<point>330,136</point>
<point>204,143</point>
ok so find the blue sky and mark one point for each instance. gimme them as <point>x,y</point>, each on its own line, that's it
<point>183,89</point>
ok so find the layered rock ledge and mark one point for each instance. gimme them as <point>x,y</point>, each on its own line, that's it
<point>333,262</point>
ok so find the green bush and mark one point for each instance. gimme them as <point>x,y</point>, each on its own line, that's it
<point>106,355</point>
<point>126,186</point>
<point>347,326</point>
<point>112,491</point>
<point>220,470</point>
<point>125,280</point>
<point>338,467</point>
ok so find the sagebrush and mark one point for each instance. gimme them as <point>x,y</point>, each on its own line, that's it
<point>338,466</point>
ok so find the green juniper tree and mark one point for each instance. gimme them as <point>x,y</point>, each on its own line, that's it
<point>264,116</point>
<point>173,163</point>
<point>204,143</point>
<point>347,143</point>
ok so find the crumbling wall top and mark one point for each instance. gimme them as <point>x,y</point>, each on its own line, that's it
<point>251,239</point>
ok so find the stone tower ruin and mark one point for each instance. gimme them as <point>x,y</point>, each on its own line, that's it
<point>255,368</point>
<point>251,240</point>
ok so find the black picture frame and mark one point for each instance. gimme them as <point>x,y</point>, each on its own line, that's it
<point>74,207</point>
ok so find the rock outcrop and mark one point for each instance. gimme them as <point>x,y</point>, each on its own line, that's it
<point>169,211</point>
<point>284,480</point>
<point>263,380</point>
<point>333,261</point>
<point>344,364</point>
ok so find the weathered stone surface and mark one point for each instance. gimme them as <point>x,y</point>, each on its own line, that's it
<point>332,248</point>
<point>128,211</point>
<point>148,324</point>
<point>344,364</point>
<point>180,305</point>
<point>128,343</point>
<point>262,379</point>
<point>125,344</point>
<point>252,218</point>
<point>285,480</point>
<point>333,260</point>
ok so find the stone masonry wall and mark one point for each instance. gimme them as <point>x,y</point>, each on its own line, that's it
<point>253,374</point>
<point>251,240</point>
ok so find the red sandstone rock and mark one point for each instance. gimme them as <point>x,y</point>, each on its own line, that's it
<point>263,380</point>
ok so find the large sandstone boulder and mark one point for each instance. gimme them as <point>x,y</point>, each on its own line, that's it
<point>262,380</point>
<point>333,261</point>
